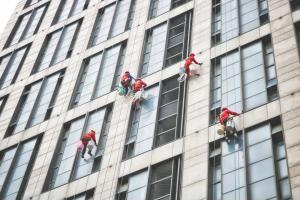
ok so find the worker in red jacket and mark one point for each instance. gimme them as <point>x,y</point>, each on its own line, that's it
<point>138,85</point>
<point>224,116</point>
<point>188,62</point>
<point>86,139</point>
<point>126,80</point>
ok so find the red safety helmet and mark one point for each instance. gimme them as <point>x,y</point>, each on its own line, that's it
<point>224,108</point>
<point>191,54</point>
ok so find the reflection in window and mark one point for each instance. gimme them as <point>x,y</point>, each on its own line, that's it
<point>162,182</point>
<point>113,20</point>
<point>160,117</point>
<point>10,66</point>
<point>232,17</point>
<point>68,8</point>
<point>254,76</point>
<point>166,44</point>
<point>27,25</point>
<point>159,7</point>
<point>98,74</point>
<point>57,47</point>
<point>15,168</point>
<point>87,195</point>
<point>36,103</point>
<point>67,163</point>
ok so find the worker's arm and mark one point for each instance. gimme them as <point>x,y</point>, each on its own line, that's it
<point>233,113</point>
<point>144,84</point>
<point>93,138</point>
<point>195,61</point>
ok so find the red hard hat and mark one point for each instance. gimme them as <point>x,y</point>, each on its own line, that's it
<point>224,108</point>
<point>191,54</point>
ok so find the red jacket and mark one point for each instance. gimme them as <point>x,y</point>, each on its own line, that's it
<point>88,136</point>
<point>189,61</point>
<point>138,85</point>
<point>225,115</point>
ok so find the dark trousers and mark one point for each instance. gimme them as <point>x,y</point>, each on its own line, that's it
<point>84,149</point>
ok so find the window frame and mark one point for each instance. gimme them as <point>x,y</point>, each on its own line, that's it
<point>26,91</point>
<point>32,13</point>
<point>149,33</point>
<point>179,129</point>
<point>29,168</point>
<point>45,44</point>
<point>263,41</point>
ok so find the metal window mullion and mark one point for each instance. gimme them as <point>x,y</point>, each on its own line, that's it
<point>264,68</point>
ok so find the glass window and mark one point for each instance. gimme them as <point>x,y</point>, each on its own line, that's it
<point>142,125</point>
<point>261,170</point>
<point>121,17</point>
<point>57,47</point>
<point>98,74</point>
<point>133,187</point>
<point>263,190</point>
<point>10,66</point>
<point>35,104</point>
<point>102,25</point>
<point>87,195</point>
<point>14,173</point>
<point>259,151</point>
<point>68,8</point>
<point>68,164</point>
<point>158,7</point>
<point>166,44</point>
<point>233,17</point>
<point>27,25</point>
<point>162,177</point>
<point>31,2</point>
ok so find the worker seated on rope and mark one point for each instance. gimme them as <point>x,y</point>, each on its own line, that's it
<point>138,88</point>
<point>86,139</point>
<point>126,81</point>
<point>225,115</point>
<point>188,62</point>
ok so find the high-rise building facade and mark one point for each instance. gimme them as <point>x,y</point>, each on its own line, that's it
<point>61,61</point>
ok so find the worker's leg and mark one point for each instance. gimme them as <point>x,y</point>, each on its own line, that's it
<point>187,71</point>
<point>84,150</point>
